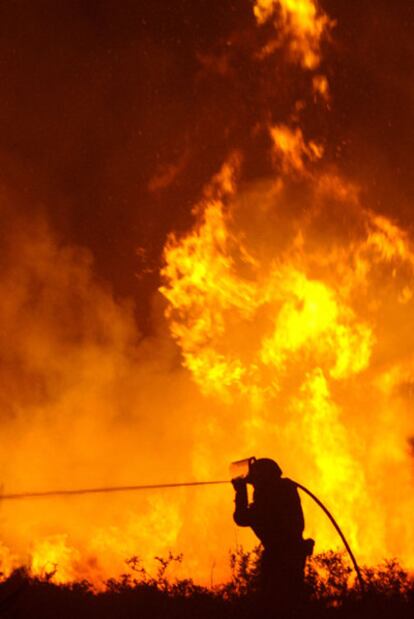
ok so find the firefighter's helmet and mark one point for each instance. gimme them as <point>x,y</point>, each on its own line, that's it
<point>263,471</point>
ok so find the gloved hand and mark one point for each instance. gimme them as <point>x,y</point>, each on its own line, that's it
<point>238,483</point>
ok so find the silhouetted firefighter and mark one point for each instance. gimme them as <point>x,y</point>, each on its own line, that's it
<point>276,517</point>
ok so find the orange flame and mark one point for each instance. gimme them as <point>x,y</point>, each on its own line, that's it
<point>292,150</point>
<point>289,329</point>
<point>302,21</point>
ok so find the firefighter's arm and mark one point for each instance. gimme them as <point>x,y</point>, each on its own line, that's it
<point>241,514</point>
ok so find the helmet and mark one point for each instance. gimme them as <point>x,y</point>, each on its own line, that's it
<point>263,471</point>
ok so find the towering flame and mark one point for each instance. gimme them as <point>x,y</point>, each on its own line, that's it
<point>290,323</point>
<point>287,301</point>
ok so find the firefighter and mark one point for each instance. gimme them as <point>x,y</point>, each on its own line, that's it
<point>276,517</point>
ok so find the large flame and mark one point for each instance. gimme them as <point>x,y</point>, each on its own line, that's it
<point>293,323</point>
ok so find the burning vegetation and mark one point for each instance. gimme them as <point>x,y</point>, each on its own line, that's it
<point>283,328</point>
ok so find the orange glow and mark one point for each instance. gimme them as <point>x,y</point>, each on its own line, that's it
<point>52,557</point>
<point>302,22</point>
<point>292,150</point>
<point>321,87</point>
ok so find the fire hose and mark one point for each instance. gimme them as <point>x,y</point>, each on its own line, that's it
<point>79,491</point>
<point>99,490</point>
<point>339,531</point>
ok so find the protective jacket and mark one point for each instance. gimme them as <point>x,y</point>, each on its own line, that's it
<point>275,515</point>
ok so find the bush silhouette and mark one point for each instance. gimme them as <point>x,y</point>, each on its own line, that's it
<point>331,592</point>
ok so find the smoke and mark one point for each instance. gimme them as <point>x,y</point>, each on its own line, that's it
<point>85,401</point>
